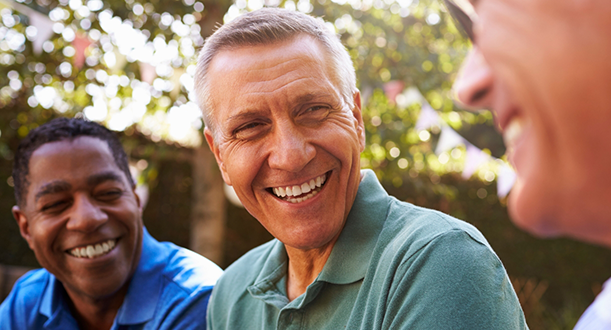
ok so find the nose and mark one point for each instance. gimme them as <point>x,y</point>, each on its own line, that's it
<point>291,148</point>
<point>473,87</point>
<point>86,216</point>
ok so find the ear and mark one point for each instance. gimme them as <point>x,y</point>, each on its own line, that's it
<point>360,126</point>
<point>24,227</point>
<point>217,154</point>
<point>137,196</point>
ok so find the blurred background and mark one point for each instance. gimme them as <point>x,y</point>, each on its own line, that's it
<point>129,65</point>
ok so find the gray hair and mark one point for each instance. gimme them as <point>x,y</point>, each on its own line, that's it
<point>268,26</point>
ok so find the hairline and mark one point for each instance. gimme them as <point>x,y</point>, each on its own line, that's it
<point>26,183</point>
<point>342,74</point>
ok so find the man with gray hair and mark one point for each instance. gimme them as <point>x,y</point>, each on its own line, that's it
<point>283,119</point>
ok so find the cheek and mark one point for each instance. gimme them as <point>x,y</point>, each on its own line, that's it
<point>242,164</point>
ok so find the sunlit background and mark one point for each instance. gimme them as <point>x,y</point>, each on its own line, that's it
<point>130,65</point>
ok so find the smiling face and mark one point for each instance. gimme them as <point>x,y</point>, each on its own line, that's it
<point>286,140</point>
<point>81,217</point>
<point>543,67</point>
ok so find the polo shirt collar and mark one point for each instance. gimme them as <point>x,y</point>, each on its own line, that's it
<point>146,284</point>
<point>274,269</point>
<point>349,260</point>
<point>141,298</point>
<point>53,304</point>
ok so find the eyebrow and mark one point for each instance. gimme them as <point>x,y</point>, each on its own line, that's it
<point>52,188</point>
<point>60,186</point>
<point>304,98</point>
<point>96,179</point>
<point>311,96</point>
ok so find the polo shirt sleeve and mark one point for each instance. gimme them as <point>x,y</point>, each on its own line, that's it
<point>11,312</point>
<point>453,282</point>
<point>21,305</point>
<point>184,310</point>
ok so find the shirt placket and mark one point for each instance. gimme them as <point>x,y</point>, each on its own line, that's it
<point>290,319</point>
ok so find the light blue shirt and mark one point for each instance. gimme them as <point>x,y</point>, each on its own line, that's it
<point>598,315</point>
<point>169,290</point>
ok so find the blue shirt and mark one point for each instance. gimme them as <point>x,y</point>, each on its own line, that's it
<point>169,290</point>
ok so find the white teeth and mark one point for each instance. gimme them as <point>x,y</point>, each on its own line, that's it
<point>90,251</point>
<point>513,131</point>
<point>93,251</point>
<point>305,188</point>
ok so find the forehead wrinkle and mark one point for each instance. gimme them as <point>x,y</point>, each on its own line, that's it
<point>52,187</point>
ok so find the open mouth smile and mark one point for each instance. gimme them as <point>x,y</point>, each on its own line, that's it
<point>94,251</point>
<point>300,193</point>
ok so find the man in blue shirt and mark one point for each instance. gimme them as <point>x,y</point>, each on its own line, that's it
<point>77,209</point>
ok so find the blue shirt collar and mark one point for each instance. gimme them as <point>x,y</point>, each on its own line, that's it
<point>145,286</point>
<point>142,296</point>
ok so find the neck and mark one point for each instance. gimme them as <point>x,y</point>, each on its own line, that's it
<point>304,266</point>
<point>96,314</point>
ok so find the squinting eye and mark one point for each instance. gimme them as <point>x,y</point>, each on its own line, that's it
<point>110,195</point>
<point>248,131</point>
<point>52,207</point>
<point>316,108</point>
<point>316,113</point>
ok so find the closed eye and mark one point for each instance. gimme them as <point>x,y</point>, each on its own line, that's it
<point>249,130</point>
<point>55,206</point>
<point>109,195</point>
<point>314,114</point>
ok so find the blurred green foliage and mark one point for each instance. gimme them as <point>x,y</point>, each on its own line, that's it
<point>412,42</point>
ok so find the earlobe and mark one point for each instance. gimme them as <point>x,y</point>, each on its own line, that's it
<point>217,155</point>
<point>22,222</point>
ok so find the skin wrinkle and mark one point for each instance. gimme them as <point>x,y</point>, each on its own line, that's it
<point>52,188</point>
<point>290,146</point>
<point>84,164</point>
<point>325,64</point>
<point>549,64</point>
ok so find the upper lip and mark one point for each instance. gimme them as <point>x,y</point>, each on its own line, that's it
<point>505,115</point>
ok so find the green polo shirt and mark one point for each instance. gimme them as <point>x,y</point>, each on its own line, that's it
<point>394,266</point>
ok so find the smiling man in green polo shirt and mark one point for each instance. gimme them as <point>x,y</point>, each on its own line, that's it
<point>283,119</point>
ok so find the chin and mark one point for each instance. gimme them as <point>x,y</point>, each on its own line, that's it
<point>530,213</point>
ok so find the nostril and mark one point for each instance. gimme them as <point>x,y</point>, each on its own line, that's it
<point>479,95</point>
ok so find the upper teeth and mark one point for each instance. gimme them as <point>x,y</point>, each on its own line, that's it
<point>304,188</point>
<point>513,131</point>
<point>93,251</point>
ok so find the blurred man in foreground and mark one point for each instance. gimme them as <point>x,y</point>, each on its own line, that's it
<point>543,67</point>
<point>77,209</point>
<point>283,118</point>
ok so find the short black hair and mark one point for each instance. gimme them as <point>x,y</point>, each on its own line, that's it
<point>60,129</point>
